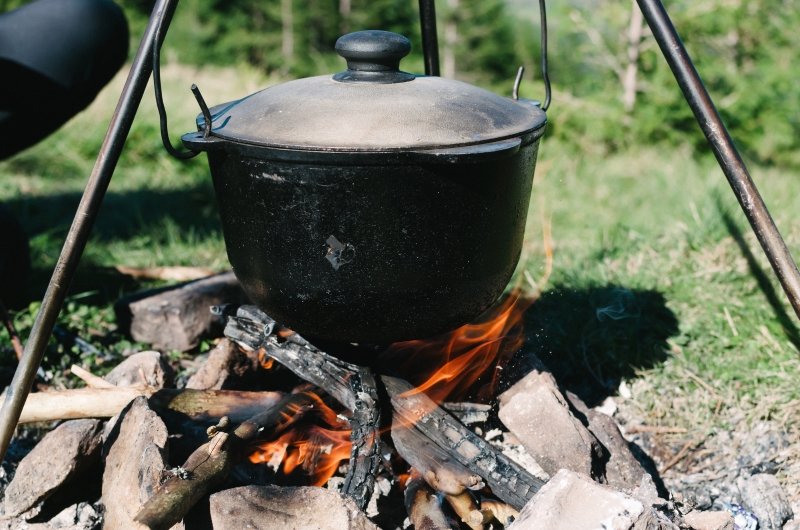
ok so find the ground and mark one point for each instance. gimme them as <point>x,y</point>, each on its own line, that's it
<point>656,281</point>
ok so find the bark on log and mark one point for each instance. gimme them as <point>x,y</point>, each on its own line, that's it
<point>510,482</point>
<point>351,385</point>
<point>197,405</point>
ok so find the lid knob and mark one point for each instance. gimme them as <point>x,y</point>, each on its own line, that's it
<point>373,56</point>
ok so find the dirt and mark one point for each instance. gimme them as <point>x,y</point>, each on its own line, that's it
<point>706,469</point>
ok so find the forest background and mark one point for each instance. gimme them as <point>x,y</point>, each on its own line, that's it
<point>611,86</point>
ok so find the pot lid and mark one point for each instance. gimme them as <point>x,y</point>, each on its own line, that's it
<point>373,106</point>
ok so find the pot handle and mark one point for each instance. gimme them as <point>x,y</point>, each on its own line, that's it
<point>545,74</point>
<point>160,34</point>
<point>472,153</point>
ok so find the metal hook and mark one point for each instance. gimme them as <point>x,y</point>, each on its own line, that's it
<point>545,75</point>
<point>204,109</point>
<point>160,34</point>
<point>517,81</point>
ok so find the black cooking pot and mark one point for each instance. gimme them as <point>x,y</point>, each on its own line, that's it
<point>372,205</point>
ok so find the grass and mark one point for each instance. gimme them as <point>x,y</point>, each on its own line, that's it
<point>656,280</point>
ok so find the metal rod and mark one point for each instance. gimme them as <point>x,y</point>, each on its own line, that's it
<point>93,194</point>
<point>722,145</point>
<point>545,73</point>
<point>430,39</point>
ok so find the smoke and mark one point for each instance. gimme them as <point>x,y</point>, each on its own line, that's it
<point>623,305</point>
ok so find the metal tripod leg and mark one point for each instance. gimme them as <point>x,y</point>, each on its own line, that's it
<point>93,194</point>
<point>721,144</point>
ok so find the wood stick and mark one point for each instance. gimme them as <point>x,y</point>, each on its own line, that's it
<point>464,505</point>
<point>492,510</point>
<point>210,463</point>
<point>507,479</point>
<point>423,506</point>
<point>91,380</point>
<point>198,405</point>
<point>351,385</point>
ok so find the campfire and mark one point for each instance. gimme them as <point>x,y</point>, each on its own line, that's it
<point>436,433</point>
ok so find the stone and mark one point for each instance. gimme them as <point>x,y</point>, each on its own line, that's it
<point>134,466</point>
<point>65,455</point>
<point>81,516</point>
<point>713,520</point>
<point>177,317</point>
<point>536,412</point>
<point>572,501</point>
<point>297,508</point>
<point>622,470</point>
<point>652,519</point>
<point>763,495</point>
<point>141,369</point>
<point>226,365</point>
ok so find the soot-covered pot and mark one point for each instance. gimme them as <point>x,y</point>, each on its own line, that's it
<point>372,205</point>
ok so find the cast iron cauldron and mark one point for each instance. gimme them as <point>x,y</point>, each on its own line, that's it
<point>373,205</point>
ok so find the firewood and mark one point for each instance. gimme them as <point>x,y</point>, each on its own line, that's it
<point>351,385</point>
<point>171,274</point>
<point>108,402</point>
<point>492,510</point>
<point>423,505</point>
<point>210,463</point>
<point>507,480</point>
<point>176,318</point>
<point>464,505</point>
<point>434,464</point>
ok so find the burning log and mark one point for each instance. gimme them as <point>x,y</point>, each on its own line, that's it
<point>211,462</point>
<point>351,385</point>
<point>417,412</point>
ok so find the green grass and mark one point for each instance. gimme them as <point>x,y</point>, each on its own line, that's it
<point>656,278</point>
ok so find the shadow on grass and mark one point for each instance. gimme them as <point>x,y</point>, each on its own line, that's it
<point>123,216</point>
<point>762,277</point>
<point>593,338</point>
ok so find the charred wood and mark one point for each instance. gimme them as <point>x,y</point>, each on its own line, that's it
<point>414,410</point>
<point>351,385</point>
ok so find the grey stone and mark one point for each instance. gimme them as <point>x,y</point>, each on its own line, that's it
<point>622,470</point>
<point>713,520</point>
<point>572,501</point>
<point>176,318</point>
<point>145,368</point>
<point>764,496</point>
<point>61,457</point>
<point>226,364</point>
<point>536,412</point>
<point>271,507</point>
<point>134,465</point>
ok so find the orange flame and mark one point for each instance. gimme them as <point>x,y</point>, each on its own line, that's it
<point>464,356</point>
<point>314,449</point>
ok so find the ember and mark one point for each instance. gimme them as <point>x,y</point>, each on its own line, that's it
<point>315,449</point>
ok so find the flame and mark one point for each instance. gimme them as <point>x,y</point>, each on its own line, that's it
<point>315,449</point>
<point>464,356</point>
